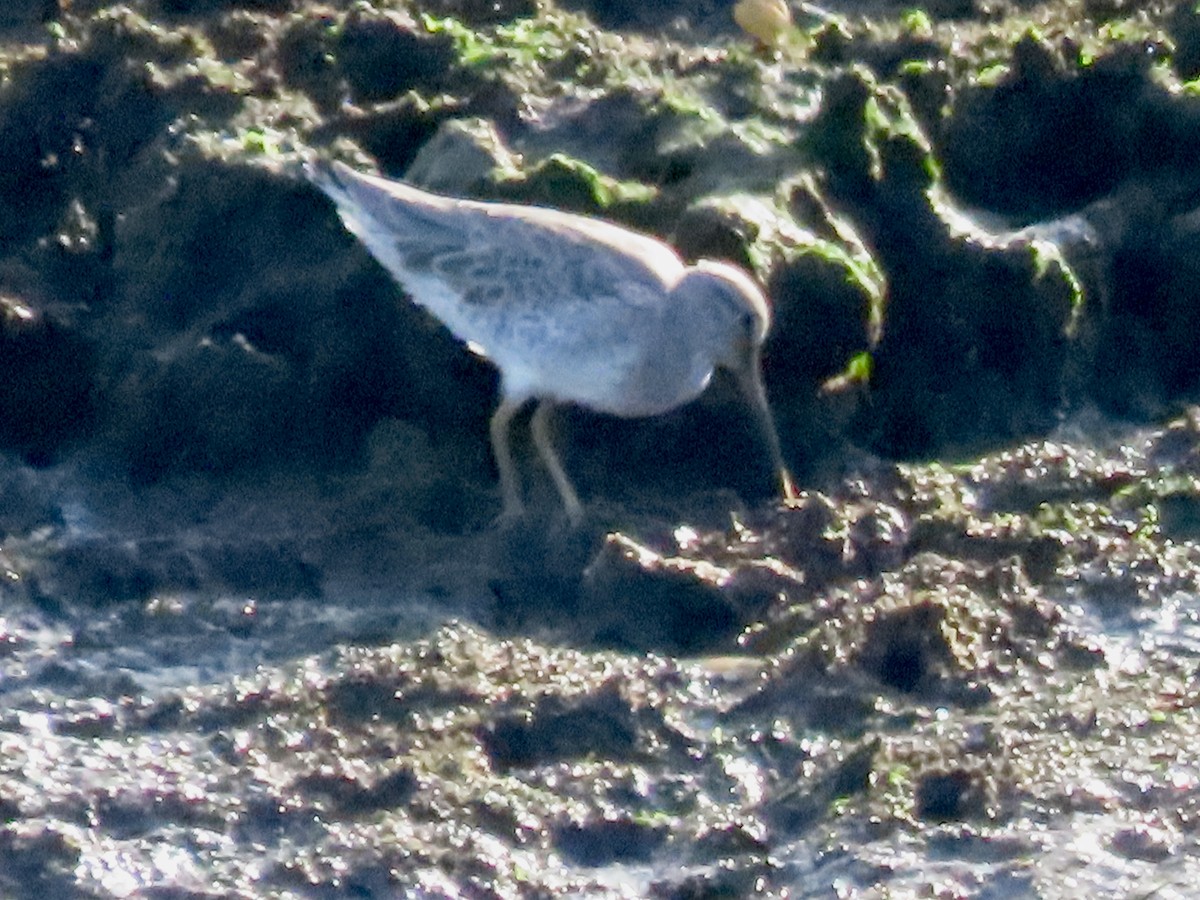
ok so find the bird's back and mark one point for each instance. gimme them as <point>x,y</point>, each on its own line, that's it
<point>489,254</point>
<point>564,304</point>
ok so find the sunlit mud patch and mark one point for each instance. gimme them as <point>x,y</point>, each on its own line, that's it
<point>456,761</point>
<point>981,676</point>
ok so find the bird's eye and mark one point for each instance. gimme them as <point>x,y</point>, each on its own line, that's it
<point>749,325</point>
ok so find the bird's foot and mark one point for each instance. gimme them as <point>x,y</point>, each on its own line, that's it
<point>512,514</point>
<point>575,514</point>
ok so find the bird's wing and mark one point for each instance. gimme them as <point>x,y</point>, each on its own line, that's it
<point>495,255</point>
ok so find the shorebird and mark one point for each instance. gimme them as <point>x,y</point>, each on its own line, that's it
<point>571,309</point>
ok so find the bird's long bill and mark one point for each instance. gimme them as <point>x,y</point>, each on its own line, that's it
<point>751,383</point>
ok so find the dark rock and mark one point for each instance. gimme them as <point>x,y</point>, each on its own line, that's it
<point>1140,842</point>
<point>831,44</point>
<point>38,864</point>
<point>263,568</point>
<point>1051,137</point>
<point>645,601</point>
<point>1184,27</point>
<point>963,318</point>
<point>101,573</point>
<point>47,399</point>
<point>717,884</point>
<point>950,796</point>
<point>951,9</point>
<point>652,463</point>
<point>460,158</point>
<point>29,12</point>
<point>603,842</point>
<point>1143,363</point>
<point>821,288</point>
<point>352,798</point>
<point>10,810</point>
<point>216,408</point>
<point>269,367</point>
<point>382,55</point>
<point>1179,516</point>
<point>37,141</point>
<point>306,62</point>
<point>239,35</point>
<point>602,724</point>
<point>801,803</point>
<point>710,231</point>
<point>393,133</point>
<point>905,649</point>
<point>366,701</point>
<point>986,325</point>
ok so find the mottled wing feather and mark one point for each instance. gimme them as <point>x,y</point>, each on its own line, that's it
<point>476,248</point>
<point>533,288</point>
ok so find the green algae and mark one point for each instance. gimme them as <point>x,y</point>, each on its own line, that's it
<point>524,43</point>
<point>573,184</point>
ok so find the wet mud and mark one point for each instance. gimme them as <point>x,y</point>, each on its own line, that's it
<point>259,634</point>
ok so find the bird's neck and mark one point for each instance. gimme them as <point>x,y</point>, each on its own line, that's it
<point>693,355</point>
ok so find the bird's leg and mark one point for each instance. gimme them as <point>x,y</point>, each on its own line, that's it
<point>510,490</point>
<point>539,426</point>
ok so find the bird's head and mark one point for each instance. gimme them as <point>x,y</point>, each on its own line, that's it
<point>729,312</point>
<point>731,318</point>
